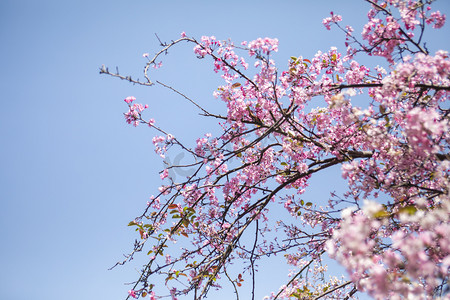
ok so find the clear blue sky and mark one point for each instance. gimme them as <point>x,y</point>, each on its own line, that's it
<point>73,173</point>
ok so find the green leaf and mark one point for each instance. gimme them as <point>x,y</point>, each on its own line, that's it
<point>170,277</point>
<point>189,209</point>
<point>426,98</point>
<point>377,185</point>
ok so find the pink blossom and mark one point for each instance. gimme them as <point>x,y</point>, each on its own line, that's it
<point>333,19</point>
<point>265,45</point>
<point>437,18</point>
<point>152,295</point>
<point>173,293</point>
<point>132,293</point>
<point>133,116</point>
<point>164,174</point>
<point>129,99</point>
<point>157,65</point>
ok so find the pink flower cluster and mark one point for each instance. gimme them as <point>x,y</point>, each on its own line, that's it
<point>437,19</point>
<point>133,116</point>
<point>207,46</point>
<point>265,45</point>
<point>333,19</point>
<point>414,264</point>
<point>132,293</point>
<point>383,36</point>
<point>386,33</point>
<point>161,144</point>
<point>423,129</point>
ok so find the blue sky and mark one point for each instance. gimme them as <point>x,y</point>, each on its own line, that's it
<point>73,173</point>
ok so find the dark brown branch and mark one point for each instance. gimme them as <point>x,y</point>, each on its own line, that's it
<point>368,85</point>
<point>443,156</point>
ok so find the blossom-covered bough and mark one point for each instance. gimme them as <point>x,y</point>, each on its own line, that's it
<point>390,230</point>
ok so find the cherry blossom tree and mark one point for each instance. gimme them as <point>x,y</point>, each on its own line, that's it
<point>390,230</point>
